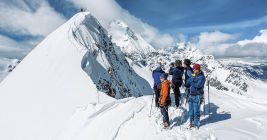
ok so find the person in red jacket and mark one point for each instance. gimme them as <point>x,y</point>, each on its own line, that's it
<point>165,99</point>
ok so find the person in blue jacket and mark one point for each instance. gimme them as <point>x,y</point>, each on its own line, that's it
<point>177,72</point>
<point>157,83</point>
<point>197,82</point>
<point>188,73</point>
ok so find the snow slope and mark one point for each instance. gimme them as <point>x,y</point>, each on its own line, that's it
<point>42,92</point>
<point>232,117</point>
<point>73,66</point>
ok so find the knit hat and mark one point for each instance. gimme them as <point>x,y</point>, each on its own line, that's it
<point>196,67</point>
<point>164,76</point>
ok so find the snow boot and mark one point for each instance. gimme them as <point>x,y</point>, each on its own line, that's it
<point>190,126</point>
<point>165,125</point>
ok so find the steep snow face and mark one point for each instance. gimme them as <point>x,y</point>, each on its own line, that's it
<point>106,64</point>
<point>131,43</point>
<point>42,92</point>
<point>68,69</point>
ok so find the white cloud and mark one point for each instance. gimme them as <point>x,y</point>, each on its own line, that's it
<point>108,10</point>
<point>31,17</point>
<point>254,47</point>
<point>214,38</point>
<point>21,20</point>
<point>250,49</point>
<point>217,43</point>
<point>13,49</point>
<point>261,38</point>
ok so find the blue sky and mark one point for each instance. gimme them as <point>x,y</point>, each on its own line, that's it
<point>24,23</point>
<point>191,17</point>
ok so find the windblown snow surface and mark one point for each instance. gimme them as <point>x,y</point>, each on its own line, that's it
<point>59,92</point>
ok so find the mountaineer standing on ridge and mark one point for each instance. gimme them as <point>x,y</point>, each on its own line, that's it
<point>157,82</point>
<point>188,73</point>
<point>165,100</point>
<point>197,82</point>
<point>177,80</point>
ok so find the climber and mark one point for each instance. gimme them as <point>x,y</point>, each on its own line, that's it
<point>157,83</point>
<point>165,99</point>
<point>188,73</point>
<point>196,82</point>
<point>177,81</point>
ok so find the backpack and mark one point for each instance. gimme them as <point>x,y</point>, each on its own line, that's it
<point>177,74</point>
<point>188,74</point>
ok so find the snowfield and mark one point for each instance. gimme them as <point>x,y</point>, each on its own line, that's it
<point>232,117</point>
<point>60,92</point>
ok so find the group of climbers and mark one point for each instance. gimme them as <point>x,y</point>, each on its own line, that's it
<point>193,79</point>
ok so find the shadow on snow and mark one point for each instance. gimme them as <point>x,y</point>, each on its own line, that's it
<point>215,116</point>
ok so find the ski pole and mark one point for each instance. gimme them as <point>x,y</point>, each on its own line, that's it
<point>182,112</point>
<point>204,110</point>
<point>209,97</point>
<point>151,104</point>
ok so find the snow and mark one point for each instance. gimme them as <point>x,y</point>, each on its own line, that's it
<point>56,92</point>
<point>38,97</point>
<point>129,41</point>
<point>232,116</point>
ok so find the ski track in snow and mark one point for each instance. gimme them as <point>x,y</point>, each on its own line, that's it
<point>127,120</point>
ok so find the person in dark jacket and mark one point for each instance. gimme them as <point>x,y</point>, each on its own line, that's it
<point>177,80</point>
<point>157,83</point>
<point>197,82</point>
<point>188,73</point>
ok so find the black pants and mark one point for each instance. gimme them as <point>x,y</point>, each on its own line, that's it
<point>157,94</point>
<point>165,114</point>
<point>177,94</point>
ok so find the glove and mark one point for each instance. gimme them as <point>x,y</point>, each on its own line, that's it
<point>159,87</point>
<point>172,86</point>
<point>202,99</point>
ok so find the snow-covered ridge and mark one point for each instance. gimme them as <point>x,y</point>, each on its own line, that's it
<point>68,69</point>
<point>105,63</point>
<point>130,42</point>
